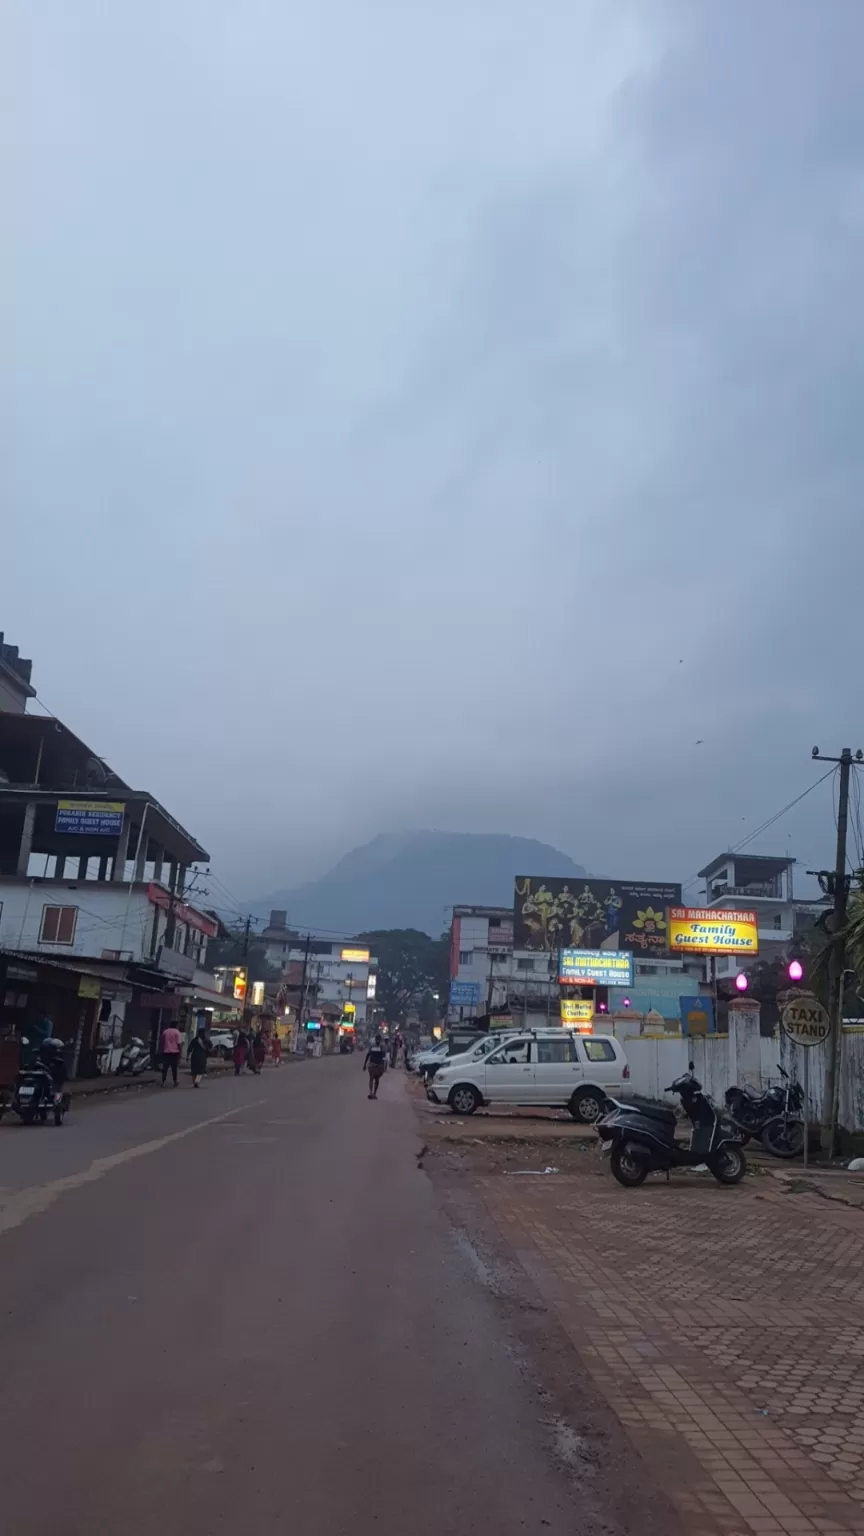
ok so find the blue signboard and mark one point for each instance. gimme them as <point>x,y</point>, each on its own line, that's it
<point>464,994</point>
<point>697,1016</point>
<point>596,967</point>
<point>102,818</point>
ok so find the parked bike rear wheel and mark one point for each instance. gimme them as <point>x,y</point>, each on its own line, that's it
<point>784,1138</point>
<point>626,1169</point>
<point>728,1167</point>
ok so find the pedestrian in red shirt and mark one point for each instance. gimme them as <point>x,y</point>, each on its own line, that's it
<point>170,1046</point>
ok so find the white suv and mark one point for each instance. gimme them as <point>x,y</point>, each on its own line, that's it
<point>554,1068</point>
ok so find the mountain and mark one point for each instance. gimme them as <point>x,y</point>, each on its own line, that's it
<point>411,879</point>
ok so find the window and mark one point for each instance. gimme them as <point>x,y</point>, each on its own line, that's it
<point>514,1053</point>
<point>58,925</point>
<point>549,1051</point>
<point>465,956</point>
<point>599,1050</point>
<point>524,965</point>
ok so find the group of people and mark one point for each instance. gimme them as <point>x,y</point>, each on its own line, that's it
<point>250,1050</point>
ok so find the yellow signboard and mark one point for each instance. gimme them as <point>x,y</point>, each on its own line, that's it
<point>707,931</point>
<point>350,1008</point>
<point>577,1010</point>
<point>361,956</point>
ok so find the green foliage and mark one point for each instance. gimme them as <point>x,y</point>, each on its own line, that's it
<point>410,965</point>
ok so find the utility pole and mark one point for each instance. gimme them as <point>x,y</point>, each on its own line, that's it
<point>246,927</point>
<point>836,885</point>
<point>301,1006</point>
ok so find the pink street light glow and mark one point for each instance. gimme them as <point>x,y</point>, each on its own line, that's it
<point>741,982</point>
<point>796,970</point>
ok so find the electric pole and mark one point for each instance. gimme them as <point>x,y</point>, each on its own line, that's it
<point>836,885</point>
<point>301,1006</point>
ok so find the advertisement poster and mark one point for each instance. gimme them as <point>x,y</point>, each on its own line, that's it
<point>697,1016</point>
<point>550,914</point>
<point>578,1011</point>
<point>707,931</point>
<point>602,967</point>
<point>102,818</point>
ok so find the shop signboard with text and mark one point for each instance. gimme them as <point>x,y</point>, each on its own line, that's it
<point>708,931</point>
<point>578,1011</point>
<point>100,818</point>
<point>598,967</point>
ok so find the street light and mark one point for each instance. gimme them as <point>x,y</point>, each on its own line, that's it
<point>741,981</point>
<point>795,970</point>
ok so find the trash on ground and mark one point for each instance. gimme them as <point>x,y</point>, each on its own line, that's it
<point>526,1173</point>
<point>699,1168</point>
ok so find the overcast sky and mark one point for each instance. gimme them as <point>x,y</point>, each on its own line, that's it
<point>441,415</point>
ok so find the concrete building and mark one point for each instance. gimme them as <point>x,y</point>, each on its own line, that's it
<point>96,931</point>
<point>755,882</point>
<point>340,976</point>
<point>15,685</point>
<point>483,960</point>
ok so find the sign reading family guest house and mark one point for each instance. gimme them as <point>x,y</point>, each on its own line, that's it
<point>596,967</point>
<point>102,817</point>
<point>707,931</point>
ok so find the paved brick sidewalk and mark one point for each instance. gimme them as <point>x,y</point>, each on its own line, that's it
<point>726,1330</point>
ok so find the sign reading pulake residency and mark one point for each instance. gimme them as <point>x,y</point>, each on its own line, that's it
<point>102,817</point>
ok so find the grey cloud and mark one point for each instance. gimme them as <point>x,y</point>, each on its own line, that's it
<point>398,398</point>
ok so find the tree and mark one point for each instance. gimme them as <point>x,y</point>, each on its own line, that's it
<point>409,965</point>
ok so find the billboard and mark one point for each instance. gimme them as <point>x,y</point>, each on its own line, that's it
<point>707,931</point>
<point>577,1010</point>
<point>697,1015</point>
<point>573,912</point>
<point>599,967</point>
<point>359,956</point>
<point>104,818</point>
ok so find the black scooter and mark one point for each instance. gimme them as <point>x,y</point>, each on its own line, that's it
<point>642,1138</point>
<point>39,1087</point>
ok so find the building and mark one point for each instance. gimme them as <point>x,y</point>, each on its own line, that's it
<point>15,686</point>
<point>329,979</point>
<point>487,972</point>
<point>756,882</point>
<point>97,933</point>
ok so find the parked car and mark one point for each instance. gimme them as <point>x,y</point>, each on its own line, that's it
<point>222,1042</point>
<point>553,1069</point>
<point>435,1055</point>
<point>477,1049</point>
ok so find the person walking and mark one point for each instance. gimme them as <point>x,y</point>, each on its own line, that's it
<point>199,1050</point>
<point>170,1047</point>
<point>259,1052</point>
<point>276,1048</point>
<point>375,1064</point>
<point>241,1051</point>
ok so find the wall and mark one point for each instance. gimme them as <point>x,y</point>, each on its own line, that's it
<point>655,1062</point>
<point>108,917</point>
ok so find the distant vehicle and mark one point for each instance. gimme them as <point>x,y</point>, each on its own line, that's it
<point>475,1051</point>
<point>222,1042</point>
<point>554,1068</point>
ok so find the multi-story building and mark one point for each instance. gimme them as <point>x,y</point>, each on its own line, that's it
<point>15,685</point>
<point>485,968</point>
<point>97,933</point>
<point>340,974</point>
<point>755,882</point>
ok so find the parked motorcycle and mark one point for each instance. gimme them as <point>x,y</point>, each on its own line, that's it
<point>775,1116</point>
<point>642,1137</point>
<point>39,1086</point>
<point>134,1060</point>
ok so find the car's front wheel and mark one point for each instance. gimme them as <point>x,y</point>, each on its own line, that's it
<point>464,1099</point>
<point>587,1105</point>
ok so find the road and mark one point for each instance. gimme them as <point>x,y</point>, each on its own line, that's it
<point>243,1309</point>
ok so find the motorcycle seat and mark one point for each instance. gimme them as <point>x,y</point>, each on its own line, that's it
<point>654,1112</point>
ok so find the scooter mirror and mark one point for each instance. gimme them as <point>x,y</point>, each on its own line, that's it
<point>692,1066</point>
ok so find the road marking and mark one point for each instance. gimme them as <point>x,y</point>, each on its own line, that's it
<point>39,1197</point>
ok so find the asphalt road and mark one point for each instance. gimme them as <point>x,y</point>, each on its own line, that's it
<point>242,1309</point>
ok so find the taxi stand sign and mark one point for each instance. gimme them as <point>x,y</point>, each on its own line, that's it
<point>709,931</point>
<point>806,1023</point>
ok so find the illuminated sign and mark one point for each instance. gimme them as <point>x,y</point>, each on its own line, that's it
<point>601,967</point>
<point>257,994</point>
<point>372,984</point>
<point>361,956</point>
<point>577,1010</point>
<point>240,987</point>
<point>350,1008</point>
<point>707,931</point>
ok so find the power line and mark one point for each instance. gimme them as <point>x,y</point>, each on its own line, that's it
<point>770,822</point>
